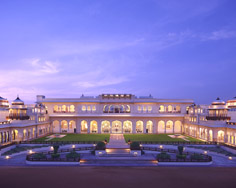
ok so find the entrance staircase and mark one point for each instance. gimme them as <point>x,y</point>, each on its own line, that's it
<point>117,154</point>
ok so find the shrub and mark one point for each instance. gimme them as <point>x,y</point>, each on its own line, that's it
<point>101,146</point>
<point>55,148</point>
<point>163,155</point>
<point>135,146</point>
<point>72,155</point>
<point>55,155</point>
<point>181,156</point>
<point>196,156</point>
<point>39,156</point>
<point>180,149</point>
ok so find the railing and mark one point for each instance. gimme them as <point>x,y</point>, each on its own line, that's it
<point>63,111</point>
<point>18,117</point>
<point>178,143</point>
<point>218,118</point>
<point>59,142</point>
<point>206,158</point>
<point>170,112</point>
<point>30,156</point>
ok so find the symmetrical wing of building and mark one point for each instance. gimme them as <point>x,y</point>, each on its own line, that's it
<point>117,113</point>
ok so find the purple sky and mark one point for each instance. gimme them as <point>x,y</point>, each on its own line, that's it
<point>167,48</point>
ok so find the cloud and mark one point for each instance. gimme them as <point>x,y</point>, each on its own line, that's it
<point>47,67</point>
<point>220,34</point>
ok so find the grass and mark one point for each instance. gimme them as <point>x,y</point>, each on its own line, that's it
<point>18,149</point>
<point>152,137</point>
<point>191,139</point>
<point>216,149</point>
<point>79,137</point>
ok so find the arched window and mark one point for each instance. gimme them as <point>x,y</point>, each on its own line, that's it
<point>139,127</point>
<point>63,108</point>
<point>83,108</point>
<point>72,108</point>
<point>139,108</point>
<point>161,109</point>
<point>84,126</point>
<point>89,108</point>
<point>94,108</point>
<point>149,108</point>
<point>105,127</point>
<point>170,109</point>
<point>127,127</point>
<point>93,127</point>
<point>55,108</point>
<point>64,126</point>
<point>127,109</point>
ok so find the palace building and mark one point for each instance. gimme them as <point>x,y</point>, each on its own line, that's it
<point>117,113</point>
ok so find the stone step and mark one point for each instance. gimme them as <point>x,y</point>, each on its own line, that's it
<point>118,162</point>
<point>117,151</point>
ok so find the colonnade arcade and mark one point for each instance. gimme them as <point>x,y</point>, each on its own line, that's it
<point>117,126</point>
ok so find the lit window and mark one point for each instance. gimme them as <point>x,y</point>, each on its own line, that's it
<point>149,108</point>
<point>94,108</point>
<point>83,108</point>
<point>89,108</point>
<point>139,108</point>
<point>144,108</point>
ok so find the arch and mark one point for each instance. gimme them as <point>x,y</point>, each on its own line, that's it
<point>170,108</point>
<point>55,108</point>
<point>72,126</point>
<point>106,126</point>
<point>56,126</point>
<point>94,108</point>
<point>93,127</point>
<point>24,134</point>
<point>64,126</point>
<point>83,108</point>
<point>14,134</point>
<point>139,126</point>
<point>177,128</point>
<point>149,126</point>
<point>161,127</point>
<point>72,108</point>
<point>210,135</point>
<point>127,109</point>
<point>127,127</point>
<point>63,108</point>
<point>84,126</point>
<point>116,127</point>
<point>220,136</point>
<point>161,109</point>
<point>169,126</point>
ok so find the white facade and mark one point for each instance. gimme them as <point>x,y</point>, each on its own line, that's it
<point>120,113</point>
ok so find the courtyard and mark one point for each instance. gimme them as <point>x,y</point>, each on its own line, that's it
<point>132,137</point>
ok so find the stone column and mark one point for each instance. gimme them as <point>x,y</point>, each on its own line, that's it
<point>154,127</point>
<point>133,127</point>
<point>144,126</point>
<point>60,126</point>
<point>99,126</point>
<point>78,126</point>
<point>88,131</point>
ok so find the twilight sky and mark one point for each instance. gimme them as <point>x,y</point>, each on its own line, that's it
<point>167,48</point>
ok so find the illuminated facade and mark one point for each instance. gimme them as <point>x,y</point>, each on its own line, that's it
<point>119,113</point>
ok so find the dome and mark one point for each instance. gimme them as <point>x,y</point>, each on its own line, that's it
<point>232,100</point>
<point>18,101</point>
<point>4,102</point>
<point>218,102</point>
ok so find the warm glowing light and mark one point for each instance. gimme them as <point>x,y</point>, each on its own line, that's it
<point>100,153</point>
<point>51,148</point>
<point>135,153</point>
<point>73,146</point>
<point>205,152</point>
<point>30,151</point>
<point>7,157</point>
<point>141,145</point>
<point>230,158</point>
<point>161,146</point>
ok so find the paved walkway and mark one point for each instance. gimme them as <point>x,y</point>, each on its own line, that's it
<point>117,141</point>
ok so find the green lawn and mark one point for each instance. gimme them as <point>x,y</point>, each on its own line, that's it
<point>155,138</point>
<point>191,139</point>
<point>79,137</point>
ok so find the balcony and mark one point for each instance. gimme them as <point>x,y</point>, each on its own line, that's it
<point>169,112</point>
<point>18,117</point>
<point>63,111</point>
<point>218,118</point>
